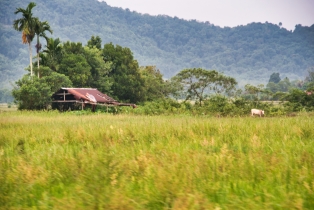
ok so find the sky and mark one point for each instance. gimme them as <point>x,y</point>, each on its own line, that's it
<point>228,13</point>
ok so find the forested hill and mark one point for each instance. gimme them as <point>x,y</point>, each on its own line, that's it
<point>250,53</point>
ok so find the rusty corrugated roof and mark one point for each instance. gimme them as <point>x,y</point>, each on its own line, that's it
<point>94,96</point>
<point>90,94</point>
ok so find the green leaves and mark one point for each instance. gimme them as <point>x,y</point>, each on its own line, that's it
<point>197,82</point>
<point>26,24</point>
<point>154,85</point>
<point>34,93</point>
<point>31,93</point>
<point>76,68</point>
<point>94,42</point>
<point>127,83</point>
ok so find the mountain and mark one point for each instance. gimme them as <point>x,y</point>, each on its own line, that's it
<point>250,53</point>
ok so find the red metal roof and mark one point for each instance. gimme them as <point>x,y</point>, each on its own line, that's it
<point>90,94</point>
<point>93,96</point>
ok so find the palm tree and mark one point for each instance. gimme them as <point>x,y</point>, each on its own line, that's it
<point>26,24</point>
<point>53,52</point>
<point>40,29</point>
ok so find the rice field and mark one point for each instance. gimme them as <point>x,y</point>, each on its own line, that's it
<point>52,160</point>
<point>4,107</point>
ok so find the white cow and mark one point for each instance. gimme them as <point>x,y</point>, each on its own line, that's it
<point>257,111</point>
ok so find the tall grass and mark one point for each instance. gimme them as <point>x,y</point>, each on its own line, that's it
<point>50,160</point>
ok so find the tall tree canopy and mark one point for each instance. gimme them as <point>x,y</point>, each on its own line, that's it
<point>40,31</point>
<point>197,82</point>
<point>94,42</point>
<point>127,83</point>
<point>35,93</point>
<point>26,24</point>
<point>275,78</point>
<point>52,55</point>
<point>154,86</point>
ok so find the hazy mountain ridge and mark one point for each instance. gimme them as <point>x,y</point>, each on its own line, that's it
<point>250,53</point>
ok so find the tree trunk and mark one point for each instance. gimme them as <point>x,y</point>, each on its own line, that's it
<point>30,57</point>
<point>38,64</point>
<point>37,50</point>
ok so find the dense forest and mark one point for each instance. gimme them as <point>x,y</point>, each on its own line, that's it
<point>250,53</point>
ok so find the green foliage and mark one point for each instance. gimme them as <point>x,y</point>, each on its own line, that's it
<point>198,82</point>
<point>52,54</point>
<point>83,65</point>
<point>99,72</point>
<point>299,100</point>
<point>31,93</point>
<point>27,25</point>
<point>282,86</point>
<point>94,42</point>
<point>40,31</point>
<point>220,105</point>
<point>255,91</point>
<point>309,80</point>
<point>159,107</point>
<point>275,78</point>
<point>121,76</point>
<point>76,68</point>
<point>54,80</point>
<point>127,83</point>
<point>34,93</point>
<point>248,52</point>
<point>272,87</point>
<point>74,64</point>
<point>154,86</point>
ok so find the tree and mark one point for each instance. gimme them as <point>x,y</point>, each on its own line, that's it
<point>197,82</point>
<point>309,80</point>
<point>285,85</point>
<point>26,24</point>
<point>298,99</point>
<point>99,72</point>
<point>275,78</point>
<point>127,83</point>
<point>273,87</point>
<point>154,85</point>
<point>55,80</point>
<point>35,93</point>
<point>40,31</point>
<point>31,94</point>
<point>251,89</point>
<point>76,68</point>
<point>53,54</point>
<point>74,64</point>
<point>94,42</point>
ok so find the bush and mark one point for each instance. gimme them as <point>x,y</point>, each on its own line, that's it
<point>157,107</point>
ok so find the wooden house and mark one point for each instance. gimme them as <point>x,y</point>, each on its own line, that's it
<point>78,98</point>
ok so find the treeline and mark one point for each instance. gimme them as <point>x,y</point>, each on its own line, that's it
<point>113,70</point>
<point>247,53</point>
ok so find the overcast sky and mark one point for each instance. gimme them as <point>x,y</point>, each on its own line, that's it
<point>227,12</point>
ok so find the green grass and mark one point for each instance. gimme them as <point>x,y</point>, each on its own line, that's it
<point>51,160</point>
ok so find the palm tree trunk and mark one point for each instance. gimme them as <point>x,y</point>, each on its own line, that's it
<point>37,50</point>
<point>38,63</point>
<point>30,57</point>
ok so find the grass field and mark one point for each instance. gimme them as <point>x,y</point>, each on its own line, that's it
<point>7,107</point>
<point>52,160</point>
